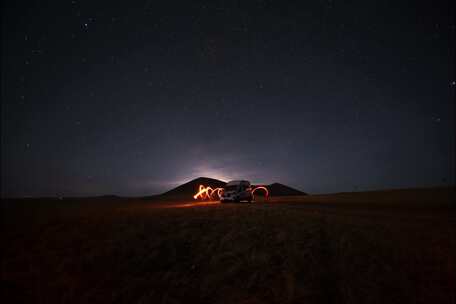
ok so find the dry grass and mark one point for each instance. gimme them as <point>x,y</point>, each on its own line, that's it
<point>346,248</point>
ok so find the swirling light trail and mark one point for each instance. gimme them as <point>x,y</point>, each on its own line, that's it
<point>266,192</point>
<point>208,192</point>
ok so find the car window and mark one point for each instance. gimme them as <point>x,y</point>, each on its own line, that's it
<point>231,188</point>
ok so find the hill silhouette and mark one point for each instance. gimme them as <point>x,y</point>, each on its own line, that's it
<point>189,189</point>
<point>277,189</point>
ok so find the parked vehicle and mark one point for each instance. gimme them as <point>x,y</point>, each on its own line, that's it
<point>237,191</point>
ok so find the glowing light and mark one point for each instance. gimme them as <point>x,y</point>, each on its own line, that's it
<point>196,204</point>
<point>266,192</point>
<point>211,193</point>
<point>207,192</point>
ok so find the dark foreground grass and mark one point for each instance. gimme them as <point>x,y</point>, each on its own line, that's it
<point>304,250</point>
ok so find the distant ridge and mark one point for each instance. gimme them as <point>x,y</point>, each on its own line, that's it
<point>189,189</point>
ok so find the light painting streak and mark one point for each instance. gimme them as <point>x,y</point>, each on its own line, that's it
<point>208,192</point>
<point>266,192</point>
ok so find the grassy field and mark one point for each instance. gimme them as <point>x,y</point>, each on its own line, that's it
<point>374,247</point>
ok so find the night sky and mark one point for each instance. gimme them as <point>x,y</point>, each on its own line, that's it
<point>136,97</point>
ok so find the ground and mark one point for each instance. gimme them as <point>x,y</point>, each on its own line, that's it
<point>377,247</point>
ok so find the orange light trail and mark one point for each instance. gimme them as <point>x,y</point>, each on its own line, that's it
<point>208,192</point>
<point>266,192</point>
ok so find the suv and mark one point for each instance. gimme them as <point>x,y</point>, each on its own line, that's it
<point>236,191</point>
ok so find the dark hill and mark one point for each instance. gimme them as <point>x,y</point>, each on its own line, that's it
<point>277,189</point>
<point>190,188</point>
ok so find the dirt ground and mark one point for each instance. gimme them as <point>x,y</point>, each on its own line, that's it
<point>371,247</point>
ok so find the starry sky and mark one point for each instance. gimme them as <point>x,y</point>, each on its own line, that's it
<point>136,97</point>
